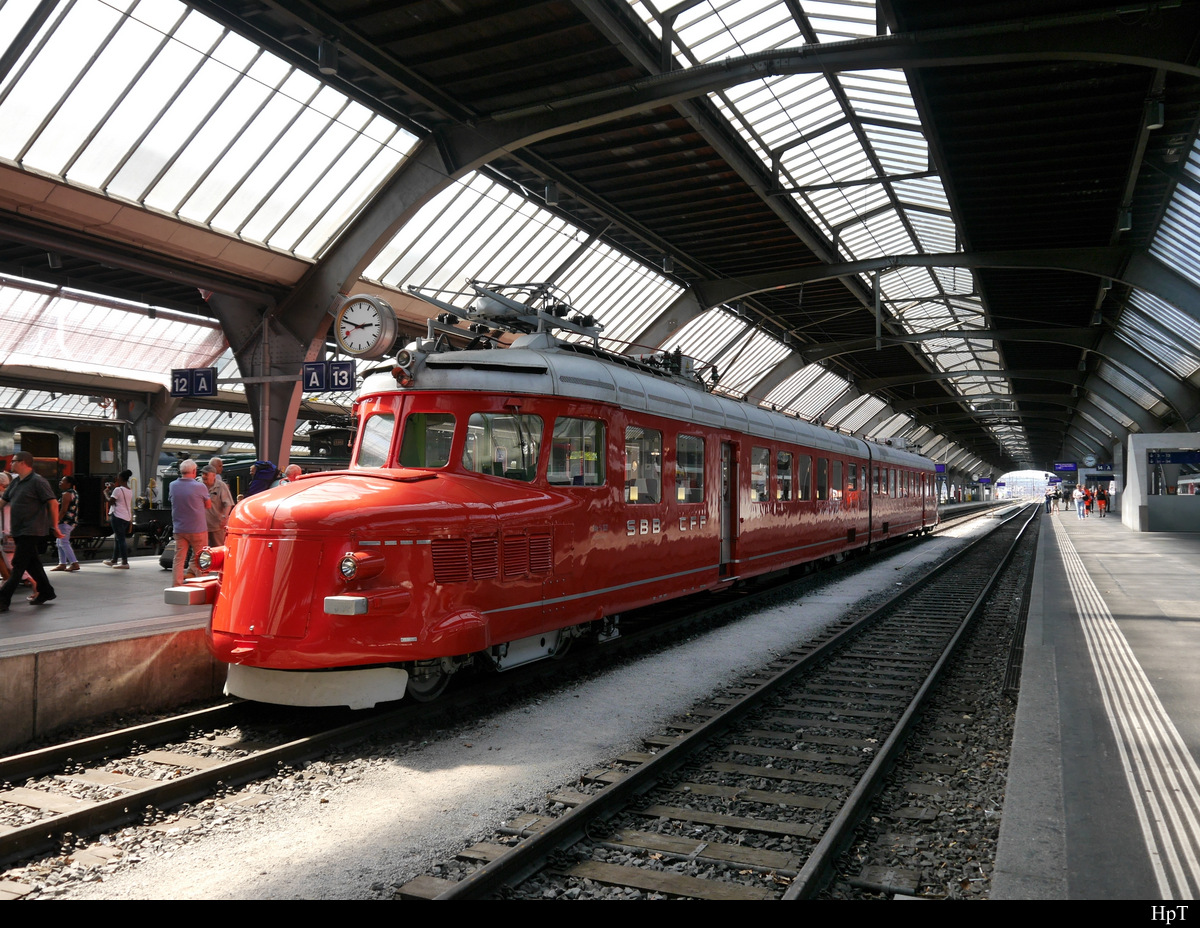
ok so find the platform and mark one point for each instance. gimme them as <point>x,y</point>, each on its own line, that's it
<point>106,644</point>
<point>1103,797</point>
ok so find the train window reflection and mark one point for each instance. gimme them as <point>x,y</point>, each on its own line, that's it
<point>760,470</point>
<point>503,445</point>
<point>577,453</point>
<point>426,440</point>
<point>783,472</point>
<point>375,440</point>
<point>835,484</point>
<point>822,478</point>
<point>643,465</point>
<point>689,469</point>
<point>803,476</point>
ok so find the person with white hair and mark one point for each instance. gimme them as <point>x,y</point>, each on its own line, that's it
<point>291,473</point>
<point>189,502</point>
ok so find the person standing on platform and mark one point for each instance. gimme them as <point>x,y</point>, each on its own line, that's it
<point>1102,501</point>
<point>189,505</point>
<point>5,479</point>
<point>68,509</point>
<point>222,505</point>
<point>33,515</point>
<point>1049,499</point>
<point>120,515</point>
<point>1078,496</point>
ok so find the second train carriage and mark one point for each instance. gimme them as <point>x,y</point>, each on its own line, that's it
<point>502,502</point>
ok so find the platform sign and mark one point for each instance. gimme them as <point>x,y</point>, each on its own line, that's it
<point>985,480</point>
<point>194,381</point>
<point>181,381</point>
<point>1065,465</point>
<point>1173,457</point>
<point>939,468</point>
<point>319,376</point>
<point>315,376</point>
<point>204,381</point>
<point>341,375</point>
<point>1054,480</point>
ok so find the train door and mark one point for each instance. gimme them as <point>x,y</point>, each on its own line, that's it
<point>729,495</point>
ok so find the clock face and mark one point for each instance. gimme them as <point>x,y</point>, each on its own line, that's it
<point>1089,461</point>
<point>365,326</point>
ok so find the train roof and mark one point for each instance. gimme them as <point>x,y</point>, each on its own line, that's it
<point>541,364</point>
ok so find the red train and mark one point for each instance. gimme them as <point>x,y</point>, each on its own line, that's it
<point>501,503</point>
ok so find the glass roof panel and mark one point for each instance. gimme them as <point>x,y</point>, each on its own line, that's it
<point>1175,241</point>
<point>156,104</point>
<point>1134,387</point>
<point>852,417</point>
<point>481,230</point>
<point>708,335</point>
<point>884,95</point>
<point>890,427</point>
<point>74,405</point>
<point>836,21</point>
<point>41,327</point>
<point>808,392</point>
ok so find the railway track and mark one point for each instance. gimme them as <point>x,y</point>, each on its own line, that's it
<point>755,796</point>
<point>59,794</point>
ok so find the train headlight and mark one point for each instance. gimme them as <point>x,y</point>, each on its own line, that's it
<point>359,565</point>
<point>211,559</point>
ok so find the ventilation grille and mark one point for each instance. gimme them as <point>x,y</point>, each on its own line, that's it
<point>485,558</point>
<point>540,556</point>
<point>516,555</point>
<point>450,562</point>
<point>455,560</point>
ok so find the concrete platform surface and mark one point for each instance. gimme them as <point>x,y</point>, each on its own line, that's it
<point>1103,798</point>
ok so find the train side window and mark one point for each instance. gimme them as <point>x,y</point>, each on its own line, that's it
<point>822,478</point>
<point>875,479</point>
<point>852,478</point>
<point>577,453</point>
<point>893,489</point>
<point>783,474</point>
<point>643,465</point>
<point>760,470</point>
<point>375,440</point>
<point>835,483</point>
<point>503,445</point>
<point>803,476</point>
<point>426,439</point>
<point>689,469</point>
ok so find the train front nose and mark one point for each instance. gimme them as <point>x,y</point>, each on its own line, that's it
<point>277,585</point>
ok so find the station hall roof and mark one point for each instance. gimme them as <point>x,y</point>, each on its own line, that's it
<point>971,226</point>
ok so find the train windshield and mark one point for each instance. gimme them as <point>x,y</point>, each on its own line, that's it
<point>375,440</point>
<point>427,439</point>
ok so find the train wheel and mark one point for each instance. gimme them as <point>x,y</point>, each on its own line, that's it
<point>563,646</point>
<point>426,683</point>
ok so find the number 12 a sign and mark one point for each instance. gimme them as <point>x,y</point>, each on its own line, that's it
<point>194,381</point>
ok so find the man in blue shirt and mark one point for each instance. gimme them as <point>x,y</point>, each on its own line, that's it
<point>189,500</point>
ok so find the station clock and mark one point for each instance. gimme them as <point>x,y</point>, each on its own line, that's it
<point>365,326</point>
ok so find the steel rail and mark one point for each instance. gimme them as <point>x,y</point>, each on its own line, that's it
<point>41,836</point>
<point>526,858</point>
<point>840,832</point>
<point>44,760</point>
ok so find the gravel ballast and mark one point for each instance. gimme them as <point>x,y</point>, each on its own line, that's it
<point>356,826</point>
